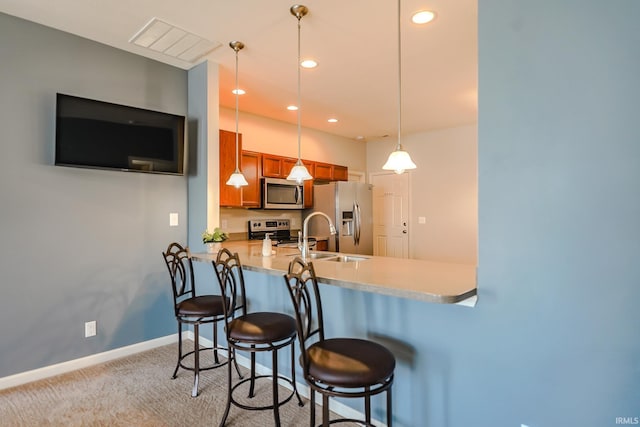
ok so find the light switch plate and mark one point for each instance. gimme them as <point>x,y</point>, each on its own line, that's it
<point>422,220</point>
<point>173,220</point>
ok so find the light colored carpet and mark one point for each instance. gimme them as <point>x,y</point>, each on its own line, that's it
<point>138,391</point>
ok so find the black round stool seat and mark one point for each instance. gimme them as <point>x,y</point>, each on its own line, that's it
<point>262,327</point>
<point>350,362</point>
<point>204,305</point>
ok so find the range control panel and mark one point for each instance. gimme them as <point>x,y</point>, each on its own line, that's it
<point>269,225</point>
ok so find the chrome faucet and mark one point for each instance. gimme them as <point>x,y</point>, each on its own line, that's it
<point>304,245</point>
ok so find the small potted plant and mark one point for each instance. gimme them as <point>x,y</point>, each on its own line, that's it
<point>213,240</point>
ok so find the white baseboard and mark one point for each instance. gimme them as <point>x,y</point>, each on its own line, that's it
<point>60,368</point>
<point>83,362</point>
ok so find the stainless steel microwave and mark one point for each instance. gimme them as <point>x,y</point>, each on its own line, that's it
<point>282,194</point>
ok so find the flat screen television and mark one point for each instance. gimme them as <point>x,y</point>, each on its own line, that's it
<point>102,135</point>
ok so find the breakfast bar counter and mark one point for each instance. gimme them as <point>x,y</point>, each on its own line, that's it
<point>429,281</point>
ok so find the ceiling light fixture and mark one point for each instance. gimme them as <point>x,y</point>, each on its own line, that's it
<point>292,108</point>
<point>423,17</point>
<point>309,63</point>
<point>332,120</point>
<point>238,91</point>
<point>237,179</point>
<point>299,172</point>
<point>399,160</point>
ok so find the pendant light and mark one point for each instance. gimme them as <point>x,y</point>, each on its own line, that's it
<point>237,179</point>
<point>399,160</point>
<point>299,172</point>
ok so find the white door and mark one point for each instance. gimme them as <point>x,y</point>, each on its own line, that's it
<point>390,214</point>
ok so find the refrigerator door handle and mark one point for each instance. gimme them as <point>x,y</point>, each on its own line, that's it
<point>356,218</point>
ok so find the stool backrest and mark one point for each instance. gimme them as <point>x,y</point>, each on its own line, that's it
<point>303,289</point>
<point>178,260</point>
<point>229,273</point>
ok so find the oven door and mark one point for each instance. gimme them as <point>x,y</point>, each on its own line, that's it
<point>282,194</point>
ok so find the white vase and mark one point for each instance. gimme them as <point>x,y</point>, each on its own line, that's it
<point>213,247</point>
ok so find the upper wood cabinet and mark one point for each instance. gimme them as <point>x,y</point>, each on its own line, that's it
<point>250,164</point>
<point>329,172</point>
<point>229,195</point>
<point>272,166</point>
<point>256,165</point>
<point>252,170</point>
<point>340,173</point>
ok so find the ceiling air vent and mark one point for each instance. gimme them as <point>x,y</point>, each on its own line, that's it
<point>173,41</point>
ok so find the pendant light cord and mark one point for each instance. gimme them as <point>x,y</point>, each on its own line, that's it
<point>299,98</point>
<point>237,115</point>
<point>398,146</point>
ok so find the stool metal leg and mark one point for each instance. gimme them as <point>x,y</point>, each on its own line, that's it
<point>293,373</point>
<point>325,410</point>
<point>389,408</point>
<point>312,396</point>
<point>196,360</point>
<point>367,406</point>
<point>231,353</point>
<point>175,372</point>
<point>276,407</point>
<point>252,383</point>
<point>215,343</point>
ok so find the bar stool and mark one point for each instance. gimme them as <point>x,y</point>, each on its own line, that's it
<point>253,333</point>
<point>335,367</point>
<point>192,309</point>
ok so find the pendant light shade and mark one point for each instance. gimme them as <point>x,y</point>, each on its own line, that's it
<point>299,172</point>
<point>399,160</point>
<point>237,179</point>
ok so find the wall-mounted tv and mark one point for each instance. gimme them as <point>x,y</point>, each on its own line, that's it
<point>96,134</point>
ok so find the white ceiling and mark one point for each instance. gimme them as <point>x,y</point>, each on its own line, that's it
<point>355,43</point>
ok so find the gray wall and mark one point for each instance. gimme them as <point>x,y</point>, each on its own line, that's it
<point>78,244</point>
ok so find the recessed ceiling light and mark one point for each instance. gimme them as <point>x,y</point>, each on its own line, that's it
<point>308,63</point>
<point>238,91</point>
<point>423,17</point>
<point>292,108</point>
<point>333,120</point>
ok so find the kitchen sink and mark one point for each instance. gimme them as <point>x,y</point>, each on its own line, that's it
<point>317,255</point>
<point>347,258</point>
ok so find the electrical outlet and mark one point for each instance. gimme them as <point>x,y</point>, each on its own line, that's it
<point>89,329</point>
<point>224,224</point>
<point>422,220</point>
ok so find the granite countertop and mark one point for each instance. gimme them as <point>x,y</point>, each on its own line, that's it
<point>430,281</point>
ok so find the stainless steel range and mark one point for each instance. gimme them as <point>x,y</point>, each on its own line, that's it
<point>279,230</point>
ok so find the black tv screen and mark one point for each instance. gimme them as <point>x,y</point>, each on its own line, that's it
<point>96,134</point>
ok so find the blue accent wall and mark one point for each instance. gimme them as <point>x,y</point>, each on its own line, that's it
<point>555,334</point>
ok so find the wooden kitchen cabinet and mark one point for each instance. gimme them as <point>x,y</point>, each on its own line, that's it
<point>340,173</point>
<point>323,172</point>
<point>229,195</point>
<point>252,170</point>
<point>329,172</point>
<point>272,166</point>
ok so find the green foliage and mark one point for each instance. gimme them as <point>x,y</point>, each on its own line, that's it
<point>217,236</point>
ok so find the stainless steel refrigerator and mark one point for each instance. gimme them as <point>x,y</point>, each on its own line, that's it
<point>349,205</point>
